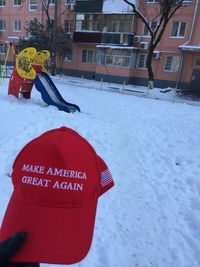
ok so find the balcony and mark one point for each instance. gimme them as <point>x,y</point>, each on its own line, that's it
<point>106,38</point>
<point>87,37</point>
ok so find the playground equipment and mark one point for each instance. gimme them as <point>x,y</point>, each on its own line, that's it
<point>3,68</point>
<point>29,69</point>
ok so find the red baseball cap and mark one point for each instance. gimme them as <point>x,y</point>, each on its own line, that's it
<point>57,180</point>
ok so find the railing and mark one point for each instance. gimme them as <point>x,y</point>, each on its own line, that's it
<point>108,38</point>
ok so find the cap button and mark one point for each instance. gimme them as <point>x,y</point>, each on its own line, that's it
<point>63,128</point>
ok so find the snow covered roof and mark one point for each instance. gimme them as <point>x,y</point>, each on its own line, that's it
<point>156,51</point>
<point>116,6</point>
<point>13,37</point>
<point>190,47</point>
<point>115,46</point>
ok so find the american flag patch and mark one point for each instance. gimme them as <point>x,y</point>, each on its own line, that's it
<point>106,178</point>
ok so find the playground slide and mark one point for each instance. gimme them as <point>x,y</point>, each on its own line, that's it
<point>51,95</point>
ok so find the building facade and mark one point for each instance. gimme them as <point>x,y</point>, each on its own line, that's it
<point>110,43</point>
<point>103,43</point>
<point>15,14</point>
<point>178,52</point>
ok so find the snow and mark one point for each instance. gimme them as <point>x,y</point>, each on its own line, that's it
<point>150,141</point>
<point>190,47</point>
<point>116,6</point>
<point>116,46</point>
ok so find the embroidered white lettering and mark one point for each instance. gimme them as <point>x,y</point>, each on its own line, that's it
<point>63,185</point>
<point>58,172</point>
<point>56,185</point>
<point>50,171</point>
<point>26,167</point>
<point>33,168</point>
<point>40,182</point>
<point>29,180</point>
<point>67,186</point>
<point>24,178</point>
<point>78,187</point>
<point>35,181</point>
<point>84,176</point>
<point>66,173</point>
<point>41,170</point>
<point>72,174</point>
<point>70,187</point>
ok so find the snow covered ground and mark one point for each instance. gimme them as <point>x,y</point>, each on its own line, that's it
<point>151,218</point>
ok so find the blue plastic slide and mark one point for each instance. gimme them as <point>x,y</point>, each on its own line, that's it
<point>51,95</point>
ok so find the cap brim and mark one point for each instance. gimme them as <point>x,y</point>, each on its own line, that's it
<point>55,235</point>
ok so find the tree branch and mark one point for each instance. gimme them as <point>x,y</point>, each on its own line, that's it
<point>45,5</point>
<point>140,16</point>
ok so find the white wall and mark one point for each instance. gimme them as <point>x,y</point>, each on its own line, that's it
<point>116,6</point>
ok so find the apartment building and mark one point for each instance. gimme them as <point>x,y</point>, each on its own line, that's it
<point>177,57</point>
<point>103,41</point>
<point>111,44</point>
<point>116,54</point>
<point>14,15</point>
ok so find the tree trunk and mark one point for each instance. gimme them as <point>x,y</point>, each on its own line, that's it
<point>150,69</point>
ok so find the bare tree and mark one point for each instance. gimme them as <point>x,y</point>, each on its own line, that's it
<point>63,45</point>
<point>45,6</point>
<point>164,11</point>
<point>48,34</point>
<point>60,41</point>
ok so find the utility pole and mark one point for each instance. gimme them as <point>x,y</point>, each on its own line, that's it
<point>53,57</point>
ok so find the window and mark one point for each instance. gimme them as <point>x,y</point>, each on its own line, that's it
<point>85,22</point>
<point>153,1</point>
<point>88,56</point>
<point>17,2</point>
<point>52,2</point>
<point>2,3</point>
<point>79,25</point>
<point>172,63</point>
<point>178,29</point>
<point>142,61</point>
<point>117,23</point>
<point>69,26</point>
<point>114,57</point>
<point>197,63</point>
<point>68,57</point>
<point>3,49</point>
<point>68,2</point>
<point>33,5</point>
<point>2,25</point>
<point>16,25</point>
<point>152,25</point>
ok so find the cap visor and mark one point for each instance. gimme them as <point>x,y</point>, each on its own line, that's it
<point>55,235</point>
